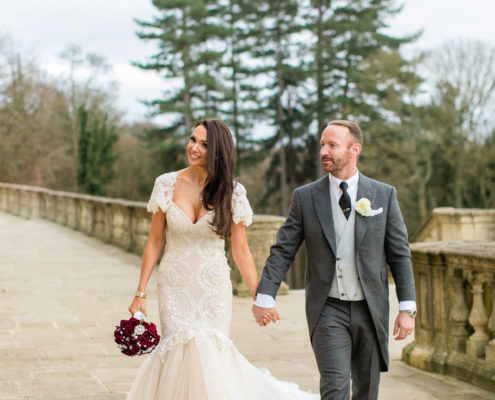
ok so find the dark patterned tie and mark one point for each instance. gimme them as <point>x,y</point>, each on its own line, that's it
<point>345,200</point>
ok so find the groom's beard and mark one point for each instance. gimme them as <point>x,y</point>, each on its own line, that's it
<point>332,165</point>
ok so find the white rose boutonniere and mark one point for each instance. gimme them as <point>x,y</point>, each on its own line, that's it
<point>363,207</point>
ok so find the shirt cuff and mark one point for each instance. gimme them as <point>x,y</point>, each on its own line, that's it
<point>264,301</point>
<point>407,305</point>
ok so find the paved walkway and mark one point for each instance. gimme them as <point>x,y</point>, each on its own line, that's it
<point>61,293</point>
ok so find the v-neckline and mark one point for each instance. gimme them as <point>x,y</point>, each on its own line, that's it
<point>180,209</point>
<point>187,216</point>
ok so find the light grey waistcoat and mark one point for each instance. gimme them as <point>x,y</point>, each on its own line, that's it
<point>345,285</point>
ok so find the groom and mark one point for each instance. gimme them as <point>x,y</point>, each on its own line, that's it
<point>353,229</point>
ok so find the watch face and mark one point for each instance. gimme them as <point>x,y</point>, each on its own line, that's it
<point>410,313</point>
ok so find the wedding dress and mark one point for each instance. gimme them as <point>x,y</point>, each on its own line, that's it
<point>195,359</point>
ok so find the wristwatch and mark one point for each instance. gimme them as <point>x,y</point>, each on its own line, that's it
<point>411,313</point>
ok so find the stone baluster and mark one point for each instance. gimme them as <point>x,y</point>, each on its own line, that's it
<point>140,226</point>
<point>490,349</point>
<point>35,204</point>
<point>71,212</point>
<point>86,223</point>
<point>121,228</point>
<point>459,313</point>
<point>3,196</point>
<point>100,222</point>
<point>49,207</point>
<point>475,346</point>
<point>14,201</point>
<point>61,209</point>
<point>25,203</point>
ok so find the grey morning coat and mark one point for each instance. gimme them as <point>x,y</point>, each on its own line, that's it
<point>379,240</point>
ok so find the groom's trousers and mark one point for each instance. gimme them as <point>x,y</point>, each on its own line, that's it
<point>345,345</point>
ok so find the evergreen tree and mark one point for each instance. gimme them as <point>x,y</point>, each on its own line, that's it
<point>276,54</point>
<point>347,41</point>
<point>240,107</point>
<point>189,57</point>
<point>95,156</point>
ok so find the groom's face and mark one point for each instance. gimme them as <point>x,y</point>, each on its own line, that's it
<point>338,150</point>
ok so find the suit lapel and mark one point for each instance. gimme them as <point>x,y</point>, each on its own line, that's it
<point>323,208</point>
<point>365,190</point>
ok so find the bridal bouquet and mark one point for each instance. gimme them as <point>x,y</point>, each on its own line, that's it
<point>135,336</point>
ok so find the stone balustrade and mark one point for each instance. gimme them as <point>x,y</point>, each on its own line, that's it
<point>120,222</point>
<point>447,223</point>
<point>455,326</point>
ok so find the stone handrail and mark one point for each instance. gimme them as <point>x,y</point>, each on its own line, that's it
<point>447,223</point>
<point>119,222</point>
<point>455,326</point>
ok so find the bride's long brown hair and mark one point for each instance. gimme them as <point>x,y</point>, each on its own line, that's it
<point>220,164</point>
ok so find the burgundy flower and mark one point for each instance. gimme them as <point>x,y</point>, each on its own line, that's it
<point>128,330</point>
<point>132,344</point>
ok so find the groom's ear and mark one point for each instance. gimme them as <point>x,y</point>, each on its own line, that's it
<point>356,149</point>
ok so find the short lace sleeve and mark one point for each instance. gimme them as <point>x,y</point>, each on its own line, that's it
<point>241,210</point>
<point>163,192</point>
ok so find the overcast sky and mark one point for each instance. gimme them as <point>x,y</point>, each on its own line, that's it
<point>106,27</point>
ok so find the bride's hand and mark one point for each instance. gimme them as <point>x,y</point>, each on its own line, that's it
<point>138,304</point>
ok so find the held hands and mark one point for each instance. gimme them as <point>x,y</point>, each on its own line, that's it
<point>264,316</point>
<point>138,304</point>
<point>404,326</point>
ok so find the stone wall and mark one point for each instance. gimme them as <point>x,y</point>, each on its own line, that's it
<point>447,223</point>
<point>455,326</point>
<point>119,222</point>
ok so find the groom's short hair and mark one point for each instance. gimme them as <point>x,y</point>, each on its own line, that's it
<point>353,128</point>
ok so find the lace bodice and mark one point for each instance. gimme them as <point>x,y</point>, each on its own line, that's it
<point>163,194</point>
<point>195,292</point>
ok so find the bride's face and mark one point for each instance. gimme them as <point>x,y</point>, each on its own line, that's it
<point>196,148</point>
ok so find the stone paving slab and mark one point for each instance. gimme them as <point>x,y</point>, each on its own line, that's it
<point>61,293</point>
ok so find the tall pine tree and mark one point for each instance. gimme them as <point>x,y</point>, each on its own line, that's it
<point>189,60</point>
<point>348,36</point>
<point>275,52</point>
<point>240,108</point>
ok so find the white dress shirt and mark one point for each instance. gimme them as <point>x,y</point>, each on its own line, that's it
<point>267,301</point>
<point>352,187</point>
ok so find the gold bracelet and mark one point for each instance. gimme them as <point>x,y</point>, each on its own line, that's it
<point>140,294</point>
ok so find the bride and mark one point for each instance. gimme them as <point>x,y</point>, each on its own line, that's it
<point>197,208</point>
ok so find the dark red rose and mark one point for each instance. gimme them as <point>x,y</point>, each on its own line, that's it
<point>128,331</point>
<point>132,346</point>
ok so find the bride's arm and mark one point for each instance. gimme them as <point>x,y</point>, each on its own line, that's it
<point>243,258</point>
<point>150,257</point>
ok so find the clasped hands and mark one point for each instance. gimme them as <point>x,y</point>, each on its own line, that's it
<point>264,316</point>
